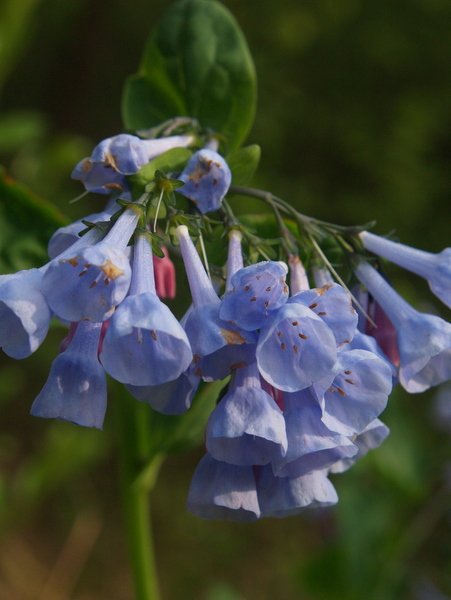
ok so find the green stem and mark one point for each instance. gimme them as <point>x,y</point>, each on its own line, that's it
<point>136,489</point>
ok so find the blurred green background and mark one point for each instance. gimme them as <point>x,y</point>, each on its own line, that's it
<point>354,119</point>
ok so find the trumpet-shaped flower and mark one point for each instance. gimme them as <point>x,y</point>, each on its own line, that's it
<point>424,341</point>
<point>75,390</point>
<point>247,427</point>
<point>296,348</point>
<point>207,179</point>
<point>256,292</point>
<point>115,157</point>
<point>217,346</point>
<point>435,268</point>
<point>285,496</point>
<point>90,283</point>
<point>24,313</point>
<point>144,345</point>
<point>358,393</point>
<point>311,445</point>
<point>220,490</point>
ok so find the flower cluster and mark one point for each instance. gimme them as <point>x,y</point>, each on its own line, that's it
<point>303,397</point>
<point>307,376</point>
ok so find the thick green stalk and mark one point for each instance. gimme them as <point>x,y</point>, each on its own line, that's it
<point>135,462</point>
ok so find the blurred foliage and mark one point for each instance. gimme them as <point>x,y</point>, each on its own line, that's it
<point>353,120</point>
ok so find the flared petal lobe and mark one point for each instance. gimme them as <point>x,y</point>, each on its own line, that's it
<point>75,390</point>
<point>24,313</point>
<point>358,393</point>
<point>286,496</point>
<point>333,304</point>
<point>257,291</point>
<point>88,285</point>
<point>311,445</point>
<point>296,348</point>
<point>247,427</point>
<point>222,491</point>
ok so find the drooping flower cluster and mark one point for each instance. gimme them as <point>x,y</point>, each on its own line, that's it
<point>301,401</point>
<point>307,376</point>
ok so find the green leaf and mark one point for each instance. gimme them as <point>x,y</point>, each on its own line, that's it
<point>196,63</point>
<point>243,163</point>
<point>171,161</point>
<point>26,224</point>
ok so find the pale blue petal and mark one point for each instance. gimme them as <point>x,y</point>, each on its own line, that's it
<point>257,291</point>
<point>145,344</point>
<point>88,285</point>
<point>75,390</point>
<point>311,445</point>
<point>334,305</point>
<point>207,179</point>
<point>246,428</point>
<point>287,496</point>
<point>24,313</point>
<point>371,437</point>
<point>171,398</point>
<point>358,394</point>
<point>222,491</point>
<point>295,349</point>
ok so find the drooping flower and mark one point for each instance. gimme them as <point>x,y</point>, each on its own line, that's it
<point>358,393</point>
<point>90,283</point>
<point>311,445</point>
<point>24,313</point>
<point>75,390</point>
<point>296,348</point>
<point>220,490</point>
<point>24,310</point>
<point>218,346</point>
<point>424,341</point>
<point>256,292</point>
<point>144,345</point>
<point>435,268</point>
<point>115,157</point>
<point>207,179</point>
<point>247,427</point>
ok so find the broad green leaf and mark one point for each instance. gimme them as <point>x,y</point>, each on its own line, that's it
<point>171,161</point>
<point>26,224</point>
<point>243,163</point>
<point>196,63</point>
